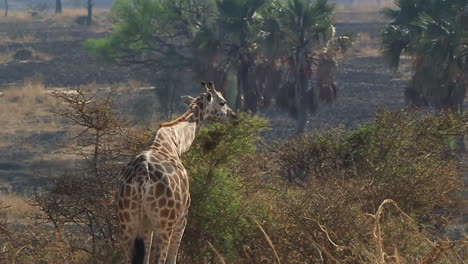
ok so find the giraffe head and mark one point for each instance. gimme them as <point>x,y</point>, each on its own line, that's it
<point>211,104</point>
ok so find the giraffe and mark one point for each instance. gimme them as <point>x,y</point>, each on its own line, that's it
<point>153,196</point>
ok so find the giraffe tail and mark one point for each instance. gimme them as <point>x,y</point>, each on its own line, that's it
<point>138,251</point>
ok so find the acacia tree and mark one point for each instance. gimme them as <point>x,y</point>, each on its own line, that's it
<point>154,36</point>
<point>435,35</point>
<point>58,6</point>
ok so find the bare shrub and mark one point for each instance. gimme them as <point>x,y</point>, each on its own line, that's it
<point>80,203</point>
<point>339,178</point>
<point>399,155</point>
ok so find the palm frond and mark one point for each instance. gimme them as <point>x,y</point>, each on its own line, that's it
<point>394,42</point>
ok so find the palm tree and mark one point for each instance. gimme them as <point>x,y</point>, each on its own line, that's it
<point>208,61</point>
<point>239,24</point>
<point>435,35</point>
<point>303,36</point>
<point>58,6</point>
<point>89,17</point>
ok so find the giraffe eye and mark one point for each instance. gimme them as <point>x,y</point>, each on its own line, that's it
<point>222,103</point>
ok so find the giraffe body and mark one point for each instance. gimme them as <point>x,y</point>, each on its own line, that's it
<point>153,195</point>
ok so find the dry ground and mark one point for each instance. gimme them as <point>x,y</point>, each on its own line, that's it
<point>57,44</point>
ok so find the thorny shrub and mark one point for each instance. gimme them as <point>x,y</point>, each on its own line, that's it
<point>340,178</point>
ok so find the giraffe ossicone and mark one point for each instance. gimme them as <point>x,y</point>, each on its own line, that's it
<point>153,195</point>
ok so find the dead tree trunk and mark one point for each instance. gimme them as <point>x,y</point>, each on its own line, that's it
<point>6,7</point>
<point>58,6</point>
<point>89,19</point>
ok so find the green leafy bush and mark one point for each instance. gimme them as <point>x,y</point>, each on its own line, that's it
<point>220,212</point>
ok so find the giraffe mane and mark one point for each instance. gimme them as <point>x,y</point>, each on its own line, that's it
<point>181,118</point>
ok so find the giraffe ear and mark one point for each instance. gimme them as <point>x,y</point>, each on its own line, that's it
<point>187,99</point>
<point>205,88</point>
<point>211,86</point>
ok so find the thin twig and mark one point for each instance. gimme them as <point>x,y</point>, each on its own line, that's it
<point>216,253</point>
<point>268,240</point>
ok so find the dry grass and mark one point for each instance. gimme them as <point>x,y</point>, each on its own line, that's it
<point>74,12</point>
<point>66,18</point>
<point>28,94</point>
<point>5,57</point>
<point>17,16</point>
<point>364,6</point>
<point>67,12</point>
<point>18,39</point>
<point>440,250</point>
<point>26,110</point>
<point>369,52</point>
<point>365,39</point>
<point>16,207</point>
<point>361,12</point>
<point>366,46</point>
<point>24,105</point>
<point>38,55</point>
<point>27,106</point>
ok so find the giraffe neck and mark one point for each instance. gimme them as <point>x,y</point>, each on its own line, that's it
<point>178,136</point>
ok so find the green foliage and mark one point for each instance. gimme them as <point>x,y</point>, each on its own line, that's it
<point>240,20</point>
<point>153,37</point>
<point>300,33</point>
<point>139,32</point>
<point>213,39</point>
<point>220,144</point>
<point>220,212</point>
<point>433,33</point>
<point>305,21</point>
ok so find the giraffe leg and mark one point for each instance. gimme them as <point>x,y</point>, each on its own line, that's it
<point>176,239</point>
<point>161,240</point>
<point>162,232</point>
